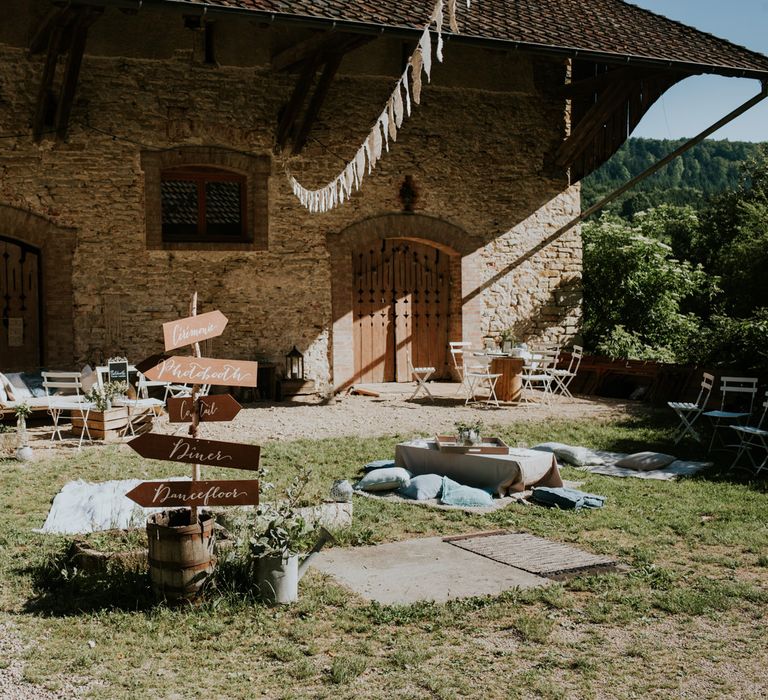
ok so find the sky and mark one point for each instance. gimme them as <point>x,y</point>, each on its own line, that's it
<point>698,102</point>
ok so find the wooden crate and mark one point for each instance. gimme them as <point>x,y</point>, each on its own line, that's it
<point>111,424</point>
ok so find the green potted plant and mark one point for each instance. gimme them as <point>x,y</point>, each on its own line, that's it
<point>278,538</point>
<point>507,340</point>
<point>468,433</point>
<point>101,396</point>
<point>23,450</point>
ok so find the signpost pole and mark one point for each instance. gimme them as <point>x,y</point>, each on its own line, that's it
<point>195,409</point>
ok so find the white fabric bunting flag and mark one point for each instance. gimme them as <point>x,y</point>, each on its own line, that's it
<point>397,104</point>
<point>425,44</point>
<point>404,81</point>
<point>416,65</point>
<point>397,109</point>
<point>438,16</point>
<point>452,23</point>
<point>391,117</point>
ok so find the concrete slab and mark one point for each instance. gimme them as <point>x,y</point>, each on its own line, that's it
<point>419,570</point>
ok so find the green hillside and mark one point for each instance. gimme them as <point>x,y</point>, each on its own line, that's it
<point>708,168</point>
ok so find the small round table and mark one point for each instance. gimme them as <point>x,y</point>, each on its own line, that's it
<point>510,384</point>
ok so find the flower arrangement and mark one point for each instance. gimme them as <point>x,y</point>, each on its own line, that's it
<point>468,433</point>
<point>102,396</point>
<point>22,411</point>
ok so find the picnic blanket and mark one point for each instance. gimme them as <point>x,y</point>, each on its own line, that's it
<point>678,468</point>
<point>83,506</point>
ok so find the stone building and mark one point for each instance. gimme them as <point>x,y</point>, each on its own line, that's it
<point>143,150</point>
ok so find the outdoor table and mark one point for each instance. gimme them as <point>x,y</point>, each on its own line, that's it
<point>506,473</point>
<point>510,384</point>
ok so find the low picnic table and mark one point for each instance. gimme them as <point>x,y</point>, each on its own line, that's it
<point>504,473</point>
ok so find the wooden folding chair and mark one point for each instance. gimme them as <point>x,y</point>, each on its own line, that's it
<point>689,413</point>
<point>420,375</point>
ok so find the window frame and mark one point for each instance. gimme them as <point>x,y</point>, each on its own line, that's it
<point>254,172</point>
<point>201,176</point>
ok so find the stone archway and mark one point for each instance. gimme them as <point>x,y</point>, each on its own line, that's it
<point>464,322</point>
<point>57,247</point>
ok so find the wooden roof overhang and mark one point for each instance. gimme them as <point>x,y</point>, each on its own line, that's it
<point>609,92</point>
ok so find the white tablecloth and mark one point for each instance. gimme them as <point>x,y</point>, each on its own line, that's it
<point>513,472</point>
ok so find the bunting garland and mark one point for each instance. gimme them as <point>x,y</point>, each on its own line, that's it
<point>397,108</point>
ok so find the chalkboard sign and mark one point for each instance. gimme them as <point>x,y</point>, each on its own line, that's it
<point>118,370</point>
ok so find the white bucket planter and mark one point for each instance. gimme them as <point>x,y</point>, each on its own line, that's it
<point>278,579</point>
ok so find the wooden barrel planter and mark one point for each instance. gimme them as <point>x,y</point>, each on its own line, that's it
<point>181,557</point>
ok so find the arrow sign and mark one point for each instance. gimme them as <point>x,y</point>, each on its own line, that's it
<point>166,494</point>
<point>221,407</point>
<point>150,362</point>
<point>193,451</point>
<point>204,370</point>
<point>193,329</point>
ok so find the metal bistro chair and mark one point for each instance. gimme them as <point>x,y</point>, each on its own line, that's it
<point>689,413</point>
<point>459,352</point>
<point>420,375</point>
<point>754,439</point>
<point>536,373</point>
<point>479,376</point>
<point>63,392</point>
<point>140,406</point>
<point>564,376</point>
<point>736,404</point>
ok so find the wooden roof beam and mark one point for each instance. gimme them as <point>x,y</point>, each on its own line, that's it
<point>56,16</point>
<point>593,121</point>
<point>299,94</point>
<point>316,103</point>
<point>75,53</point>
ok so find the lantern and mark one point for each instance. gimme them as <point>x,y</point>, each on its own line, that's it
<point>294,364</point>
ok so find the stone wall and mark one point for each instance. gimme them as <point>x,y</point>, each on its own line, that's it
<point>476,149</point>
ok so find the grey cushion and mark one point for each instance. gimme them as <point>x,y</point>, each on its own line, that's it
<point>577,456</point>
<point>646,461</point>
<point>384,479</point>
<point>423,487</point>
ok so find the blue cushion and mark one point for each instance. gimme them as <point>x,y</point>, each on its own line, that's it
<point>455,494</point>
<point>379,464</point>
<point>563,497</point>
<point>384,479</point>
<point>423,487</point>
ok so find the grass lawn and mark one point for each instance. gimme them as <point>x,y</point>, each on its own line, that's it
<point>687,620</point>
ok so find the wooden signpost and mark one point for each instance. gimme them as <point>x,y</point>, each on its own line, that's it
<point>193,329</point>
<point>204,370</point>
<point>222,407</point>
<point>173,448</point>
<point>198,371</point>
<point>170,494</point>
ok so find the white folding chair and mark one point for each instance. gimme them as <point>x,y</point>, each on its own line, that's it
<point>420,375</point>
<point>536,373</point>
<point>459,352</point>
<point>63,392</point>
<point>736,404</point>
<point>564,376</point>
<point>181,390</point>
<point>689,413</point>
<point>482,379</point>
<point>139,407</point>
<point>754,441</point>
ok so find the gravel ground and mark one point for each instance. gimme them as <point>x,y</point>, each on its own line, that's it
<point>389,414</point>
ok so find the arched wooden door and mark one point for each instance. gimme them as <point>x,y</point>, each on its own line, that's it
<point>401,303</point>
<point>20,298</point>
